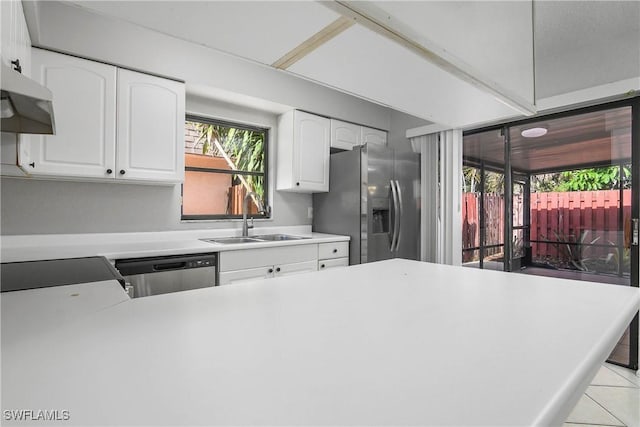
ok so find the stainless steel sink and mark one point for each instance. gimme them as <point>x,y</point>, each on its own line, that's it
<point>255,239</point>
<point>278,237</point>
<point>232,240</point>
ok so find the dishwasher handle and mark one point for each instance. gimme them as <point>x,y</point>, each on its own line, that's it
<point>170,266</point>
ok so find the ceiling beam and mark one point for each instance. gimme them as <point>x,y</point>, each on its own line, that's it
<point>313,42</point>
<point>379,21</point>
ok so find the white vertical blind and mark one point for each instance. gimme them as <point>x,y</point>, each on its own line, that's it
<point>427,146</point>
<point>450,219</point>
<point>441,195</point>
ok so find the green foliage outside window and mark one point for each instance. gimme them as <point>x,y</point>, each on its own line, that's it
<point>244,149</point>
<point>590,179</point>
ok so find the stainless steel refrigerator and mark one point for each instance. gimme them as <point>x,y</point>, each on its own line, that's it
<point>374,198</point>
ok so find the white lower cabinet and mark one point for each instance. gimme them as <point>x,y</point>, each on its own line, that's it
<point>295,268</point>
<point>265,263</point>
<point>245,275</point>
<point>333,250</point>
<point>332,255</point>
<point>325,264</point>
<point>238,276</point>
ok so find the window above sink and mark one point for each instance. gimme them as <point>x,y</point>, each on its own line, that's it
<point>223,162</point>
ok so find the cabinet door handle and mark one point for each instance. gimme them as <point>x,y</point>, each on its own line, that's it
<point>109,171</point>
<point>321,265</point>
<point>278,270</point>
<point>270,270</point>
<point>297,183</point>
<point>122,172</point>
<point>32,164</point>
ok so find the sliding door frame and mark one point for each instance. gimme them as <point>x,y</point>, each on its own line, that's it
<point>634,103</point>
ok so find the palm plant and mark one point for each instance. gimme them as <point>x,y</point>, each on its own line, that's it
<point>574,248</point>
<point>241,148</point>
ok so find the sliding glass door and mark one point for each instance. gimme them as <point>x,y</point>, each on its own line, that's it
<point>569,202</point>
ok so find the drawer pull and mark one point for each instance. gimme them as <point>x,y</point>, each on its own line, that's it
<point>335,251</point>
<point>321,265</point>
<point>270,270</point>
<point>278,270</point>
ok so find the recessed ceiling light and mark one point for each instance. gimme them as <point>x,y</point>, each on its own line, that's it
<point>534,132</point>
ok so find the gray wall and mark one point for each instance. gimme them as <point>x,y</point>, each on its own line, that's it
<point>30,206</point>
<point>400,122</point>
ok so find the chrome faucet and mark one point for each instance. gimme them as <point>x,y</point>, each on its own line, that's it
<point>245,208</point>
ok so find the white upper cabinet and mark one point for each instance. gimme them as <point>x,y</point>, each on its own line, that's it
<point>84,100</point>
<point>151,113</point>
<point>111,124</point>
<point>345,135</point>
<point>373,136</point>
<point>303,152</point>
<point>14,35</point>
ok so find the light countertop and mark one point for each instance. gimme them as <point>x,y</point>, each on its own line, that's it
<point>391,342</point>
<point>133,245</point>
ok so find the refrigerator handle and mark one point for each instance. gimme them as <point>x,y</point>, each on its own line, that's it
<point>395,214</point>
<point>399,221</point>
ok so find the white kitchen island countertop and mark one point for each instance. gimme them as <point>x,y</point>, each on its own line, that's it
<point>392,342</point>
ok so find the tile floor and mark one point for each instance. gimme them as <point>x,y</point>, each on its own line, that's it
<point>612,399</point>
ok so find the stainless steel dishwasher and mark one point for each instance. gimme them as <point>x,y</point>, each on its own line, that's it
<point>160,275</point>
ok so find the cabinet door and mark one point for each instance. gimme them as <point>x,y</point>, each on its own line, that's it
<point>295,268</point>
<point>263,257</point>
<point>8,10</point>
<point>373,136</point>
<point>345,135</point>
<point>333,250</point>
<point>325,264</point>
<point>84,95</point>
<point>311,152</point>
<point>22,39</point>
<point>238,276</point>
<point>150,127</point>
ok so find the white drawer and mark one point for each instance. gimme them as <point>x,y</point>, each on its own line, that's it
<point>333,250</point>
<point>325,264</point>
<point>253,258</point>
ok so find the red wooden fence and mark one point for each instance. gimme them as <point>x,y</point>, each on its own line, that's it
<point>494,218</point>
<point>578,217</point>
<point>559,216</point>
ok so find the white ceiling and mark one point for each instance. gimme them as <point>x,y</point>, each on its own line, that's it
<point>581,44</point>
<point>577,45</point>
<point>364,63</point>
<point>259,30</point>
